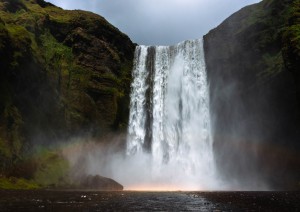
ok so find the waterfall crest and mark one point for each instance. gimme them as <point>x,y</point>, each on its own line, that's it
<point>169,114</point>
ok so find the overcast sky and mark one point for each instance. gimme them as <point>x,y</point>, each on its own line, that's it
<point>160,22</point>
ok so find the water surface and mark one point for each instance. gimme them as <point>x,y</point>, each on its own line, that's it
<point>148,201</point>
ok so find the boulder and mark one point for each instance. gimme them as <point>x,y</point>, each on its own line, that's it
<point>97,182</point>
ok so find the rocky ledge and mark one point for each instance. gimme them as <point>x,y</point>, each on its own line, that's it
<point>97,182</point>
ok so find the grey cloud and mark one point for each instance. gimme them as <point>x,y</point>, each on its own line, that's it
<point>160,22</point>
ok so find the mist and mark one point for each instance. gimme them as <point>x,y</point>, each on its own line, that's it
<point>169,144</point>
<point>247,136</point>
<point>135,172</point>
<point>253,115</point>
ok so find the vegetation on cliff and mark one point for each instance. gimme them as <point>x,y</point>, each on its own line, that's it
<point>65,73</point>
<point>253,69</point>
<point>62,73</point>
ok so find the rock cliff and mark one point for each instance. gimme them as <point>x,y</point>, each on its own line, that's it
<point>62,73</point>
<point>253,69</point>
<point>66,73</point>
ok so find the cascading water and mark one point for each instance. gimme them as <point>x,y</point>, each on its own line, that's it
<point>169,116</point>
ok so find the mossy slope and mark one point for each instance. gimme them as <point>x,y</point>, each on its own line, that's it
<point>62,73</point>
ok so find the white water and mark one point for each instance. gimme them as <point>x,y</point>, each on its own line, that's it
<point>169,125</point>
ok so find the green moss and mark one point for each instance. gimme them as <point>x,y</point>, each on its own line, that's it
<point>291,39</point>
<point>79,77</point>
<point>4,149</point>
<point>17,184</point>
<point>52,47</point>
<point>109,90</point>
<point>272,37</point>
<point>11,138</point>
<point>273,64</point>
<point>25,19</point>
<point>13,6</point>
<point>19,35</point>
<point>126,76</point>
<point>52,169</point>
<point>44,81</point>
<point>57,55</point>
<point>3,36</point>
<point>21,42</point>
<point>59,61</point>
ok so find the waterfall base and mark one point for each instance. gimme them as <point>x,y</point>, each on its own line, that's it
<point>169,133</point>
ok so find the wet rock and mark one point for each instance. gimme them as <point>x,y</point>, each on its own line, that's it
<point>97,182</point>
<point>254,89</point>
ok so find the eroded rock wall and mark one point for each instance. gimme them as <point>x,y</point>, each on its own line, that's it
<point>254,93</point>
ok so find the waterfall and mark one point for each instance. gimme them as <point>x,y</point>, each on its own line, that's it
<point>169,115</point>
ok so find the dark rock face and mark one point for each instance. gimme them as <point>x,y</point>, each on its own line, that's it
<point>253,94</point>
<point>62,73</point>
<point>100,183</point>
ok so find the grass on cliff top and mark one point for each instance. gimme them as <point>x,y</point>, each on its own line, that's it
<point>59,15</point>
<point>30,13</point>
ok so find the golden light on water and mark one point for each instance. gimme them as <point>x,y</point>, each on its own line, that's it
<point>160,187</point>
